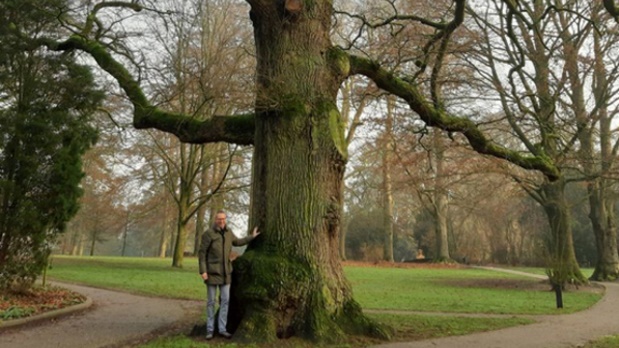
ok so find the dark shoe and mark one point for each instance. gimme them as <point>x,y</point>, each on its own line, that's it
<point>209,335</point>
<point>225,334</point>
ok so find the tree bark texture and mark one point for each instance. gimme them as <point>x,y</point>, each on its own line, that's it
<point>201,224</point>
<point>387,183</point>
<point>183,208</point>
<point>290,281</point>
<point>440,200</point>
<point>163,239</point>
<point>603,221</point>
<point>564,267</point>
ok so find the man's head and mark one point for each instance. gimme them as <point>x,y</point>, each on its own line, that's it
<point>220,219</point>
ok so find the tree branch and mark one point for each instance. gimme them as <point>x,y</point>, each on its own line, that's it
<point>612,8</point>
<point>237,129</point>
<point>440,119</point>
<point>92,17</point>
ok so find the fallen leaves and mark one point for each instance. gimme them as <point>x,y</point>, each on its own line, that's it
<point>35,301</point>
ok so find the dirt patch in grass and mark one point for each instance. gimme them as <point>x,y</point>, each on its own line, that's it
<point>35,301</point>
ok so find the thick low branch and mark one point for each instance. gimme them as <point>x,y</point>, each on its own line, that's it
<point>233,129</point>
<point>611,7</point>
<point>440,119</point>
<point>237,129</point>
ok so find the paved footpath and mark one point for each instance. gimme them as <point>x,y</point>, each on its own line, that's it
<point>551,331</point>
<point>114,320</point>
<point>119,319</point>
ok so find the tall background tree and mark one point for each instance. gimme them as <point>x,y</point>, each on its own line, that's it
<point>201,73</point>
<point>532,62</point>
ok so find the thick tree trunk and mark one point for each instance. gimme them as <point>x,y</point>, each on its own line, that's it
<point>441,228</point>
<point>80,249</point>
<point>163,238</point>
<point>163,242</point>
<point>563,267</point>
<point>76,240</point>
<point>125,234</point>
<point>181,228</point>
<point>440,200</point>
<point>387,185</point>
<point>93,242</point>
<point>201,224</point>
<point>290,281</point>
<point>602,219</point>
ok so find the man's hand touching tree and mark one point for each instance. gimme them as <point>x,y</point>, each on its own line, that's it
<point>255,232</point>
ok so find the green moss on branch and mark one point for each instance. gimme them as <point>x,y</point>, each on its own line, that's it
<point>238,129</point>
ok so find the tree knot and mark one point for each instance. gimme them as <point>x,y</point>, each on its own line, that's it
<point>293,7</point>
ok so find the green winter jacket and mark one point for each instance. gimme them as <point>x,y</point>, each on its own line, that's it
<point>214,254</point>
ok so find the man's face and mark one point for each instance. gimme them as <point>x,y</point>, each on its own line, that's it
<point>220,220</point>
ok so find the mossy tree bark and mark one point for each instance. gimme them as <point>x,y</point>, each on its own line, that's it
<point>563,267</point>
<point>603,220</point>
<point>290,281</point>
<point>183,207</point>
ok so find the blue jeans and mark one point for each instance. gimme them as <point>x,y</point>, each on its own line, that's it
<point>224,299</point>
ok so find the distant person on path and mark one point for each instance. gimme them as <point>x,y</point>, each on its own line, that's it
<point>420,255</point>
<point>216,269</point>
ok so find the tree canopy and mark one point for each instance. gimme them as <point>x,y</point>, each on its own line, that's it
<point>46,103</point>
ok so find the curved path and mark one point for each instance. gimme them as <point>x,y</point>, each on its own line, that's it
<point>120,319</point>
<point>114,319</point>
<point>551,331</point>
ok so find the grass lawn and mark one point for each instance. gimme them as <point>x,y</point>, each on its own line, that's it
<point>461,290</point>
<point>419,288</point>
<point>145,276</point>
<point>604,342</point>
<point>407,327</point>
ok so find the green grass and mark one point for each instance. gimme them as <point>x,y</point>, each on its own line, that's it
<point>147,276</point>
<point>417,327</point>
<point>407,328</point>
<point>437,290</point>
<point>404,289</point>
<point>186,342</point>
<point>412,289</point>
<point>604,342</point>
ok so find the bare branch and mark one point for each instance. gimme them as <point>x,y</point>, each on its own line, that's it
<point>92,17</point>
<point>438,118</point>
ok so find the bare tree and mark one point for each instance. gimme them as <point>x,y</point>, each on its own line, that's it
<point>595,116</point>
<point>528,70</point>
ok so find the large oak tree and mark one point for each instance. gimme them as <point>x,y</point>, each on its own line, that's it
<point>292,280</point>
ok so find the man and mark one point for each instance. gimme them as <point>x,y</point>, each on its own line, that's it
<point>216,269</point>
